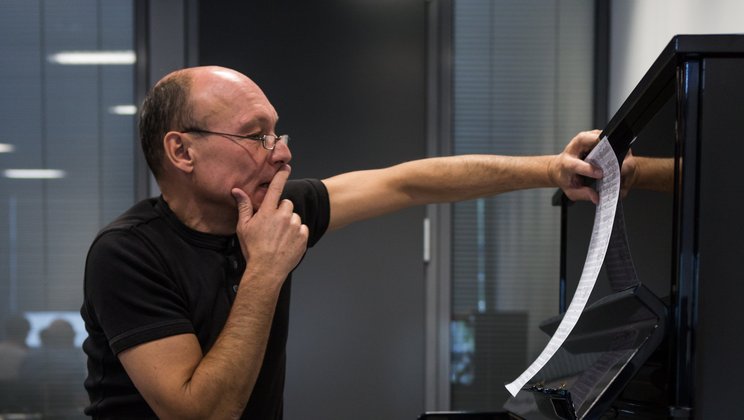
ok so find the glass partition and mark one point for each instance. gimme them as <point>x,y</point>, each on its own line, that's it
<point>522,85</point>
<point>66,168</point>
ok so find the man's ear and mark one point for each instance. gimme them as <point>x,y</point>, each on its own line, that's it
<point>176,150</point>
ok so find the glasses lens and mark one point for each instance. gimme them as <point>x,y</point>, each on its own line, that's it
<point>270,141</point>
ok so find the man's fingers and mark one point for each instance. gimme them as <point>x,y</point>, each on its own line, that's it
<point>276,187</point>
<point>245,206</point>
<point>287,205</point>
<point>583,193</point>
<point>583,142</point>
<point>588,170</point>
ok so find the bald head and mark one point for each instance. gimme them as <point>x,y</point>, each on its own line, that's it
<point>190,98</point>
<point>220,95</point>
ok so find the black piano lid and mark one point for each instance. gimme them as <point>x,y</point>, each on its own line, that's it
<point>658,84</point>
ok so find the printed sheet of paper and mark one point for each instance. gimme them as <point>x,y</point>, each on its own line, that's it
<point>608,188</point>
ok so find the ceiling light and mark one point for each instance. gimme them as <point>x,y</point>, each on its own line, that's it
<point>34,173</point>
<point>6,148</point>
<point>123,110</point>
<point>93,57</point>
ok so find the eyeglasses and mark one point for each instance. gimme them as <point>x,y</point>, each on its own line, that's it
<point>268,141</point>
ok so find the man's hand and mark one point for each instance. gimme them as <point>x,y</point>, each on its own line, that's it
<point>173,375</point>
<point>628,173</point>
<point>567,169</point>
<point>273,239</point>
<point>647,173</point>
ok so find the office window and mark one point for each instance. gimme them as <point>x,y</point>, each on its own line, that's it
<point>522,86</point>
<point>66,168</point>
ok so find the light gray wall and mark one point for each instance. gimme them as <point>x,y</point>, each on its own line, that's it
<point>641,29</point>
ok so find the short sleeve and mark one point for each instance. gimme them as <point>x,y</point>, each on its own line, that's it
<point>130,293</point>
<point>311,202</point>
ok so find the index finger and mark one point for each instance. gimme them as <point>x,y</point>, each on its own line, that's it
<point>583,142</point>
<point>274,193</point>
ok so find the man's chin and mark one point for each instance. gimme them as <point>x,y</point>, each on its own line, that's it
<point>258,197</point>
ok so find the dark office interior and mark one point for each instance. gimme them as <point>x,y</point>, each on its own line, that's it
<point>432,309</point>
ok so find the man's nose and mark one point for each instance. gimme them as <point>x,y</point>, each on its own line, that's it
<point>280,154</point>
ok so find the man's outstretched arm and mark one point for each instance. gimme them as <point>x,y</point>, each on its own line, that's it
<point>362,195</point>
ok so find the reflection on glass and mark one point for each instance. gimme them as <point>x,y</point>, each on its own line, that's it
<point>66,167</point>
<point>42,365</point>
<point>462,362</point>
<point>647,173</point>
<point>609,354</point>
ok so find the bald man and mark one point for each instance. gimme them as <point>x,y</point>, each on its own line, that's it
<point>187,294</point>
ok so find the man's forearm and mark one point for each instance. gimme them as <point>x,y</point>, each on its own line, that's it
<point>365,194</point>
<point>273,239</point>
<point>656,174</point>
<point>180,382</point>
<point>227,374</point>
<point>465,177</point>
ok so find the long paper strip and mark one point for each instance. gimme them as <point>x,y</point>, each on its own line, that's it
<point>608,188</point>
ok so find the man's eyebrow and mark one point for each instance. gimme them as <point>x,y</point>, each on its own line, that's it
<point>258,124</point>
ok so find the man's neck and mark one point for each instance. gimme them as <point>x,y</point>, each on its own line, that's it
<point>201,217</point>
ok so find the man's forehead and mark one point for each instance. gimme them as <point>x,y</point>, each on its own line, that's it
<point>246,116</point>
<point>219,91</point>
<point>260,120</point>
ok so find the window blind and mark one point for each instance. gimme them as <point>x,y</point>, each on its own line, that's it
<point>522,86</point>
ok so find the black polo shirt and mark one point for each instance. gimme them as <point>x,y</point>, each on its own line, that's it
<point>149,276</point>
